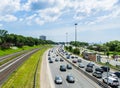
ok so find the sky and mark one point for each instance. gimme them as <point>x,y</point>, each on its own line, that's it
<point>97,20</point>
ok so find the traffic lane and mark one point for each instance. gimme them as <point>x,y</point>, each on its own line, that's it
<point>54,67</point>
<point>95,66</point>
<point>80,81</point>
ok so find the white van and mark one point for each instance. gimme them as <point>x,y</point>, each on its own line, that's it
<point>111,81</point>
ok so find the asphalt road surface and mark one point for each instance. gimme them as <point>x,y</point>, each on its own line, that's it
<point>81,81</point>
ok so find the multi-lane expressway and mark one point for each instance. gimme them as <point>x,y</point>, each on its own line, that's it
<point>81,81</point>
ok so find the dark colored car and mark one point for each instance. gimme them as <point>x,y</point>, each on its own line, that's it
<point>49,54</point>
<point>72,57</point>
<point>56,60</point>
<point>97,74</point>
<point>70,79</point>
<point>68,56</point>
<point>58,80</point>
<point>99,69</point>
<point>117,74</point>
<point>90,65</point>
<point>50,61</point>
<point>69,66</point>
<point>79,60</point>
<point>62,68</point>
<point>105,68</point>
<point>49,58</point>
<point>61,60</point>
<point>89,69</point>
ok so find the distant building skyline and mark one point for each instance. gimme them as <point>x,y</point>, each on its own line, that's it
<point>43,37</point>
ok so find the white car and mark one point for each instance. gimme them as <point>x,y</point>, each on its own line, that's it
<point>113,75</point>
<point>111,81</point>
<point>58,80</point>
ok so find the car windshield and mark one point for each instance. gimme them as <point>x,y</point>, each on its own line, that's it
<point>58,78</point>
<point>71,78</point>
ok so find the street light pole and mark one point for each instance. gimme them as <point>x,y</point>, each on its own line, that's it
<point>66,38</point>
<point>107,65</point>
<point>75,33</point>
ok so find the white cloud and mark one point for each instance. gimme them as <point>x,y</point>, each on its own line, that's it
<point>8,18</point>
<point>9,6</point>
<point>81,9</point>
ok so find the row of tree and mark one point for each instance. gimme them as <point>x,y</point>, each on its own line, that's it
<point>75,50</point>
<point>109,46</point>
<point>79,44</point>
<point>8,40</point>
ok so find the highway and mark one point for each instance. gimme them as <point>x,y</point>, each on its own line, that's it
<point>80,79</point>
<point>85,62</point>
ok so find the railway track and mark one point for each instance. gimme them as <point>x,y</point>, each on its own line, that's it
<point>8,68</point>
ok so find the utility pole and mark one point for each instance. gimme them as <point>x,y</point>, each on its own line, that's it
<point>75,33</point>
<point>66,39</point>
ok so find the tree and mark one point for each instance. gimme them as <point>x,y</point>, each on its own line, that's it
<point>76,51</point>
<point>2,35</point>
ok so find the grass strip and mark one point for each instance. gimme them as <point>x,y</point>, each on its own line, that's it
<point>23,77</point>
<point>10,51</point>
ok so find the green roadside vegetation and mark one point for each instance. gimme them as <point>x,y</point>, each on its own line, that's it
<point>69,49</point>
<point>23,77</point>
<point>10,51</point>
<point>111,66</point>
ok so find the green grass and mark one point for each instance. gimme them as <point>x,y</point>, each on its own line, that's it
<point>10,51</point>
<point>23,77</point>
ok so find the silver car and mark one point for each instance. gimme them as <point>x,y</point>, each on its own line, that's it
<point>81,65</point>
<point>58,80</point>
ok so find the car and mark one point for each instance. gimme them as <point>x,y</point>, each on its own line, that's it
<point>97,74</point>
<point>79,60</point>
<point>111,81</point>
<point>105,68</point>
<point>113,75</point>
<point>51,61</point>
<point>72,57</point>
<point>89,69</point>
<point>56,59</point>
<point>61,60</point>
<point>99,69</point>
<point>76,57</point>
<point>81,65</point>
<point>58,80</point>
<point>48,54</point>
<point>68,56</point>
<point>74,61</point>
<point>69,66</point>
<point>70,78</point>
<point>117,74</point>
<point>90,65</point>
<point>62,68</point>
<point>49,58</point>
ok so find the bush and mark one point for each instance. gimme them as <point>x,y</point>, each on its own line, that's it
<point>70,48</point>
<point>76,51</point>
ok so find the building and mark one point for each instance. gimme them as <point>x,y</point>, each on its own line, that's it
<point>89,56</point>
<point>42,37</point>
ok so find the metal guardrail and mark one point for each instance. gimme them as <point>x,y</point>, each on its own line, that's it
<point>103,85</point>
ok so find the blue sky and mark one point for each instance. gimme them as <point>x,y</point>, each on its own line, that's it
<point>98,20</point>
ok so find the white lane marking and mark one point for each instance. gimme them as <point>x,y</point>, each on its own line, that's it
<point>50,75</point>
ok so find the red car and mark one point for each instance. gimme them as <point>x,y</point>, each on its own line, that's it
<point>74,61</point>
